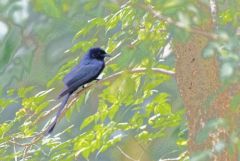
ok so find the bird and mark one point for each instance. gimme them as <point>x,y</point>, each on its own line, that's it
<point>88,70</point>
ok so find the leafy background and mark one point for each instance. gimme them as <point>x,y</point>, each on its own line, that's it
<point>133,115</point>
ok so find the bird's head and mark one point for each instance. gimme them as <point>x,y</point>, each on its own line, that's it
<point>97,53</point>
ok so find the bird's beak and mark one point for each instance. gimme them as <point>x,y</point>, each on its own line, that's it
<point>107,55</point>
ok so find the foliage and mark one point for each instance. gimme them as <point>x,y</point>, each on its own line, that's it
<point>131,105</point>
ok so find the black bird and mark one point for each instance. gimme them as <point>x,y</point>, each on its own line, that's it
<point>89,68</point>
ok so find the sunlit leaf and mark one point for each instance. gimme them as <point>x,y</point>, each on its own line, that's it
<point>87,121</point>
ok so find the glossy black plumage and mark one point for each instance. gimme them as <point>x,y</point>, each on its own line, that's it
<point>89,68</point>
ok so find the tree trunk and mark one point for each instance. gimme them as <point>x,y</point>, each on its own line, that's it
<point>199,85</point>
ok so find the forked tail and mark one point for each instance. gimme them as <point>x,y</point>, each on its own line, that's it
<point>51,127</point>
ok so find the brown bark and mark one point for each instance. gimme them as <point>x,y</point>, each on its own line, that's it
<point>199,85</point>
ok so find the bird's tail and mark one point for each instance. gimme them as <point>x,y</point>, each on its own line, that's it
<point>63,93</point>
<point>51,127</point>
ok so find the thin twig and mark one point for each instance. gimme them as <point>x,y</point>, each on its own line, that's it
<point>15,143</point>
<point>126,155</point>
<point>15,152</point>
<point>64,131</point>
<point>25,152</point>
<point>113,58</point>
<point>182,156</point>
<point>133,43</point>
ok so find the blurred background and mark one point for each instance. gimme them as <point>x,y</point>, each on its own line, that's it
<point>41,40</point>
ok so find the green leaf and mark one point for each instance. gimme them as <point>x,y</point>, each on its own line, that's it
<point>85,152</point>
<point>136,120</point>
<point>84,45</point>
<point>111,22</point>
<point>87,96</point>
<point>144,135</point>
<point>24,90</point>
<point>113,45</point>
<point>50,8</point>
<point>10,92</point>
<point>124,126</point>
<point>87,121</point>
<point>110,143</point>
<point>113,110</point>
<point>20,113</point>
<point>4,128</point>
<point>6,102</point>
<point>43,93</point>
<point>42,106</point>
<point>91,24</point>
<point>182,142</point>
<point>163,109</point>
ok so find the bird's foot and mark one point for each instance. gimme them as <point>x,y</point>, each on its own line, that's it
<point>97,79</point>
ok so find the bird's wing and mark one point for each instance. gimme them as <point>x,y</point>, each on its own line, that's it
<point>81,76</point>
<point>83,73</point>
